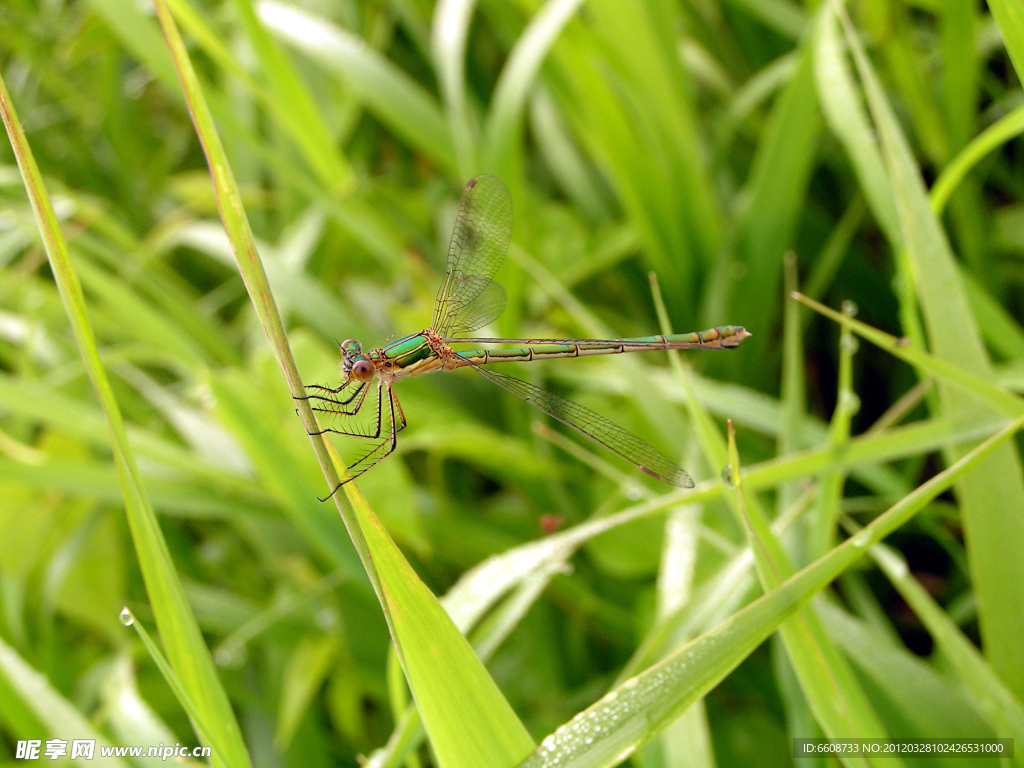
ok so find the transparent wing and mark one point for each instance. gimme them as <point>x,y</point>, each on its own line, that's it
<point>613,437</point>
<point>483,309</point>
<point>483,227</point>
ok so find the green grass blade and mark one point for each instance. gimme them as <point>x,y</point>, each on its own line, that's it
<point>178,628</point>
<point>822,529</point>
<point>33,708</point>
<point>776,190</point>
<point>505,119</point>
<point>1005,128</point>
<point>793,392</point>
<point>1005,713</point>
<point>994,539</point>
<point>288,91</point>
<point>844,112</point>
<point>448,44</point>
<point>467,719</point>
<point>634,712</point>
<point>454,694</point>
<point>195,714</point>
<point>980,389</point>
<point>389,93</point>
<point>833,694</point>
<point>1009,15</point>
<point>287,100</point>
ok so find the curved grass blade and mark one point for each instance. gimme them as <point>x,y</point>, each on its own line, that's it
<point>448,45</point>
<point>178,628</point>
<point>608,732</point>
<point>504,121</point>
<point>32,707</point>
<point>394,97</point>
<point>994,539</point>
<point>453,691</point>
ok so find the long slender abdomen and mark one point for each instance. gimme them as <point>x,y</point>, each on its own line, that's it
<point>725,337</point>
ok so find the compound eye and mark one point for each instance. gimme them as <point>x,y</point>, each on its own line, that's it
<point>362,370</point>
<point>350,347</point>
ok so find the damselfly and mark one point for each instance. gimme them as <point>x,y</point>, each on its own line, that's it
<point>468,299</point>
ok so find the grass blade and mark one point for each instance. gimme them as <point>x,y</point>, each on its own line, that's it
<point>178,628</point>
<point>994,538</point>
<point>453,692</point>
<point>393,96</point>
<point>613,728</point>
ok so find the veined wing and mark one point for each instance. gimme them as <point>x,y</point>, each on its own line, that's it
<point>585,421</point>
<point>467,298</point>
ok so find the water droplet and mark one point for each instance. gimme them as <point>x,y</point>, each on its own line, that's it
<point>849,401</point>
<point>126,617</point>
<point>849,344</point>
<point>850,308</point>
<point>727,476</point>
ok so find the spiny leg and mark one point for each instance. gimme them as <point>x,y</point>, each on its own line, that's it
<point>355,410</point>
<point>362,392</point>
<point>383,449</point>
<point>360,385</point>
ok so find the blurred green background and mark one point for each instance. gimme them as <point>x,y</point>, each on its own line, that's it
<point>699,141</point>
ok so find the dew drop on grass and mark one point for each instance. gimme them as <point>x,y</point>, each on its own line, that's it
<point>616,723</point>
<point>727,476</point>
<point>126,617</point>
<point>849,401</point>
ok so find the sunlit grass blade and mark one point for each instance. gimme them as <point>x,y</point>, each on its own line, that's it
<point>449,32</point>
<point>394,97</point>
<point>178,628</point>
<point>505,119</point>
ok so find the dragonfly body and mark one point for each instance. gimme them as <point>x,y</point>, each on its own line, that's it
<point>425,351</point>
<point>467,300</point>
